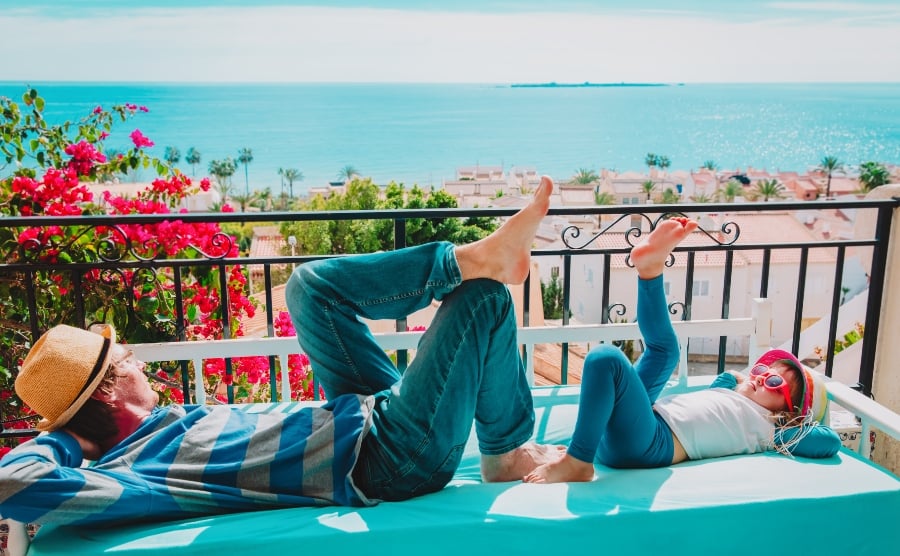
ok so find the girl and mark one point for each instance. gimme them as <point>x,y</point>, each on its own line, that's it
<point>777,406</point>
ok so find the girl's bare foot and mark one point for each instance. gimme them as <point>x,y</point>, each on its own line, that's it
<point>649,256</point>
<point>505,255</point>
<point>516,464</point>
<point>565,470</point>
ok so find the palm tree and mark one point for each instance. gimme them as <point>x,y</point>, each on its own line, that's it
<point>731,190</point>
<point>222,170</point>
<point>872,175</point>
<point>829,165</point>
<point>648,186</point>
<point>193,158</point>
<point>172,155</point>
<point>348,173</point>
<point>244,200</point>
<point>663,162</point>
<point>264,199</point>
<point>650,160</point>
<point>769,188</point>
<point>585,176</point>
<point>701,198</point>
<point>292,175</point>
<point>245,157</point>
<point>604,198</point>
<point>670,197</point>
<point>710,165</point>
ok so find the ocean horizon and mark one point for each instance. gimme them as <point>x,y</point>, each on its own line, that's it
<point>420,133</point>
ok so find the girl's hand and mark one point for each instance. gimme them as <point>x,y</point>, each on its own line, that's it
<point>739,377</point>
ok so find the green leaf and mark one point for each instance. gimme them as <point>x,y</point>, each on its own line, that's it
<point>34,144</point>
<point>148,304</point>
<point>39,103</point>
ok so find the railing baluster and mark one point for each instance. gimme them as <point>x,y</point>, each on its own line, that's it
<point>835,310</point>
<point>876,294</point>
<point>726,306</point>
<point>224,306</point>
<point>401,324</point>
<point>764,273</point>
<point>270,332</point>
<point>180,333</point>
<point>567,286</point>
<point>801,292</point>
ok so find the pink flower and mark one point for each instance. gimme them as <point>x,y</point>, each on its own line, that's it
<point>98,110</point>
<point>140,140</point>
<point>84,155</point>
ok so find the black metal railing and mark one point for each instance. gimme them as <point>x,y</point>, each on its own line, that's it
<point>115,256</point>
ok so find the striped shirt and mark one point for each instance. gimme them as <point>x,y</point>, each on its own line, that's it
<point>193,460</point>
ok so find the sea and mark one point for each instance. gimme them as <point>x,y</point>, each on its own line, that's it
<point>421,133</point>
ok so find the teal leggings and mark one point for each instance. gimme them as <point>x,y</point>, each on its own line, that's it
<point>616,423</point>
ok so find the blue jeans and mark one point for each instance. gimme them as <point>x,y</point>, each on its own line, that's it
<point>466,366</point>
<point>616,423</point>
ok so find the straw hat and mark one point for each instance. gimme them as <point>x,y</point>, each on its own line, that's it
<point>814,404</point>
<point>62,370</point>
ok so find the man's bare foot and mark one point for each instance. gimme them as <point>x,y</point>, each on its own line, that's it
<point>565,470</point>
<point>515,464</point>
<point>505,255</point>
<point>649,256</point>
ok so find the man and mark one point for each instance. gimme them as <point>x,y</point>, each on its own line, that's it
<point>380,436</point>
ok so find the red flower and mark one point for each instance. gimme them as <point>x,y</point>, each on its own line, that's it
<point>140,140</point>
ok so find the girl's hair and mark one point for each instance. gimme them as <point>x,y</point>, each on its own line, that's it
<point>791,418</point>
<point>94,421</point>
<point>794,377</point>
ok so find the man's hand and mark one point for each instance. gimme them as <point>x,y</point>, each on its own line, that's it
<point>89,449</point>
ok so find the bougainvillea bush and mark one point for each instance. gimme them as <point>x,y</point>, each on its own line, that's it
<point>44,170</point>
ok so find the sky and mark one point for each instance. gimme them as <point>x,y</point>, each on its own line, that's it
<point>465,41</point>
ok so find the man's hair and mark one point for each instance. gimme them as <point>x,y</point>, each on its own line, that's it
<point>94,421</point>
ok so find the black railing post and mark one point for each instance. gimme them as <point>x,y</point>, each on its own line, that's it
<point>798,306</point>
<point>180,335</point>
<point>226,328</point>
<point>835,310</point>
<point>567,288</point>
<point>876,294</point>
<point>401,324</point>
<point>726,307</point>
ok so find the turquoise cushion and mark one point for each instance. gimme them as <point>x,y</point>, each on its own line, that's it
<point>712,506</point>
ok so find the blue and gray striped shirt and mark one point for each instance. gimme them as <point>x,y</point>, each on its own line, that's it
<point>193,460</point>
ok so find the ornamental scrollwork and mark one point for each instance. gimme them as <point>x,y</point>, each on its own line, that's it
<point>104,243</point>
